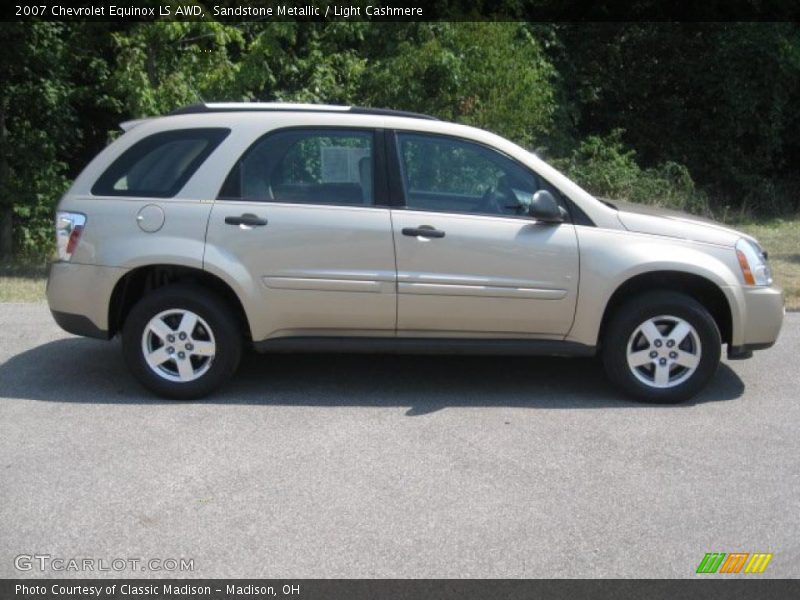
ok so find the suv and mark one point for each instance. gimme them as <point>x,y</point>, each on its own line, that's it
<point>308,227</point>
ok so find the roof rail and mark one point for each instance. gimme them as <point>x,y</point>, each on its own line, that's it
<point>210,107</point>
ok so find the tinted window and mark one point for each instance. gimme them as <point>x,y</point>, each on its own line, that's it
<point>306,167</point>
<point>448,174</point>
<point>159,165</point>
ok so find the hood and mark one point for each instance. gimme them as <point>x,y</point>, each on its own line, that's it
<point>672,223</point>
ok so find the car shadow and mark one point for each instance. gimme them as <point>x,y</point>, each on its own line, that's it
<point>82,370</point>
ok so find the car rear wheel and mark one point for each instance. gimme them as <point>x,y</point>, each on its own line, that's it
<point>661,347</point>
<point>181,342</point>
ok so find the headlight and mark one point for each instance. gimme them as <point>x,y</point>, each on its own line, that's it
<point>753,262</point>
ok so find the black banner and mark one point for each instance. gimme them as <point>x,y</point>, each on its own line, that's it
<point>400,10</point>
<point>400,589</point>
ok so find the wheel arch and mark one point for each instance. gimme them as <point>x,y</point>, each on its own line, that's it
<point>702,289</point>
<point>138,282</point>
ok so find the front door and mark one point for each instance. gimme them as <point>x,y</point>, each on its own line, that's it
<point>470,262</point>
<point>299,216</point>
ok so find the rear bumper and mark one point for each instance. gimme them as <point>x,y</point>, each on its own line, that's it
<point>80,295</point>
<point>78,325</point>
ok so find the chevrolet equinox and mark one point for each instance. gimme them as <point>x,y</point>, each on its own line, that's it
<point>311,227</point>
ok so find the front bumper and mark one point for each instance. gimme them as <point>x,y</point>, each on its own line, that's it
<point>746,350</point>
<point>761,318</point>
<point>80,295</point>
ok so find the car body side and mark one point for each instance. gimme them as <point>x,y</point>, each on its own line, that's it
<point>610,254</point>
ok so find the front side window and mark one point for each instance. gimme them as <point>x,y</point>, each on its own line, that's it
<point>306,167</point>
<point>159,165</point>
<point>454,175</point>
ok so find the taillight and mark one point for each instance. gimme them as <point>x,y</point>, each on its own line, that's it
<point>69,226</point>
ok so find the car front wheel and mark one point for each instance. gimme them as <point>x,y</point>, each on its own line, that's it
<point>181,342</point>
<point>661,347</point>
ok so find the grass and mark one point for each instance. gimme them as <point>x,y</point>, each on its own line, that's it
<point>780,237</point>
<point>22,282</point>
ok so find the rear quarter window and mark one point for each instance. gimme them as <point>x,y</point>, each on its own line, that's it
<point>159,165</point>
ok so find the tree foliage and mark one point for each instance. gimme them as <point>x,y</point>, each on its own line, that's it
<point>490,75</point>
<point>610,169</point>
<point>700,116</point>
<point>35,130</point>
<point>718,97</point>
<point>158,68</point>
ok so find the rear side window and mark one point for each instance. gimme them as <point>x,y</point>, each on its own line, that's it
<point>306,166</point>
<point>159,165</point>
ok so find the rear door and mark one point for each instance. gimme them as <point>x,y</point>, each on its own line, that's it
<point>301,213</point>
<point>470,261</point>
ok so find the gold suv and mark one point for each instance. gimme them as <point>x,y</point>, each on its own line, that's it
<point>311,227</point>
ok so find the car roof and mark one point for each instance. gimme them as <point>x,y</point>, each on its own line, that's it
<point>237,112</point>
<point>276,114</point>
<point>211,107</point>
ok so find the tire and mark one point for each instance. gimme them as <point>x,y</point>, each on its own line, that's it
<point>661,347</point>
<point>207,344</point>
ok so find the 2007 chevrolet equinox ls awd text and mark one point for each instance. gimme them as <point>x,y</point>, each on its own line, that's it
<point>314,227</point>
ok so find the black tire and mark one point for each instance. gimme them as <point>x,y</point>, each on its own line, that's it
<point>213,310</point>
<point>646,306</point>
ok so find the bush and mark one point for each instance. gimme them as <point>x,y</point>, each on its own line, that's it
<point>606,168</point>
<point>34,233</point>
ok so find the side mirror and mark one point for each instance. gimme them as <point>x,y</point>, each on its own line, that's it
<point>544,208</point>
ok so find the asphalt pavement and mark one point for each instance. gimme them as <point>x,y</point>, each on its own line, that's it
<point>388,466</point>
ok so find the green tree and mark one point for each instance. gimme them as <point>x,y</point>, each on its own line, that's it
<point>491,75</point>
<point>608,169</point>
<point>308,62</point>
<point>167,64</point>
<point>162,66</point>
<point>717,97</point>
<point>36,128</point>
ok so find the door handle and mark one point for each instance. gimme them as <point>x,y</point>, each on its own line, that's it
<point>248,219</point>
<point>423,231</point>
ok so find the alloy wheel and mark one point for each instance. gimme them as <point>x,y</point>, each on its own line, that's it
<point>178,345</point>
<point>664,351</point>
